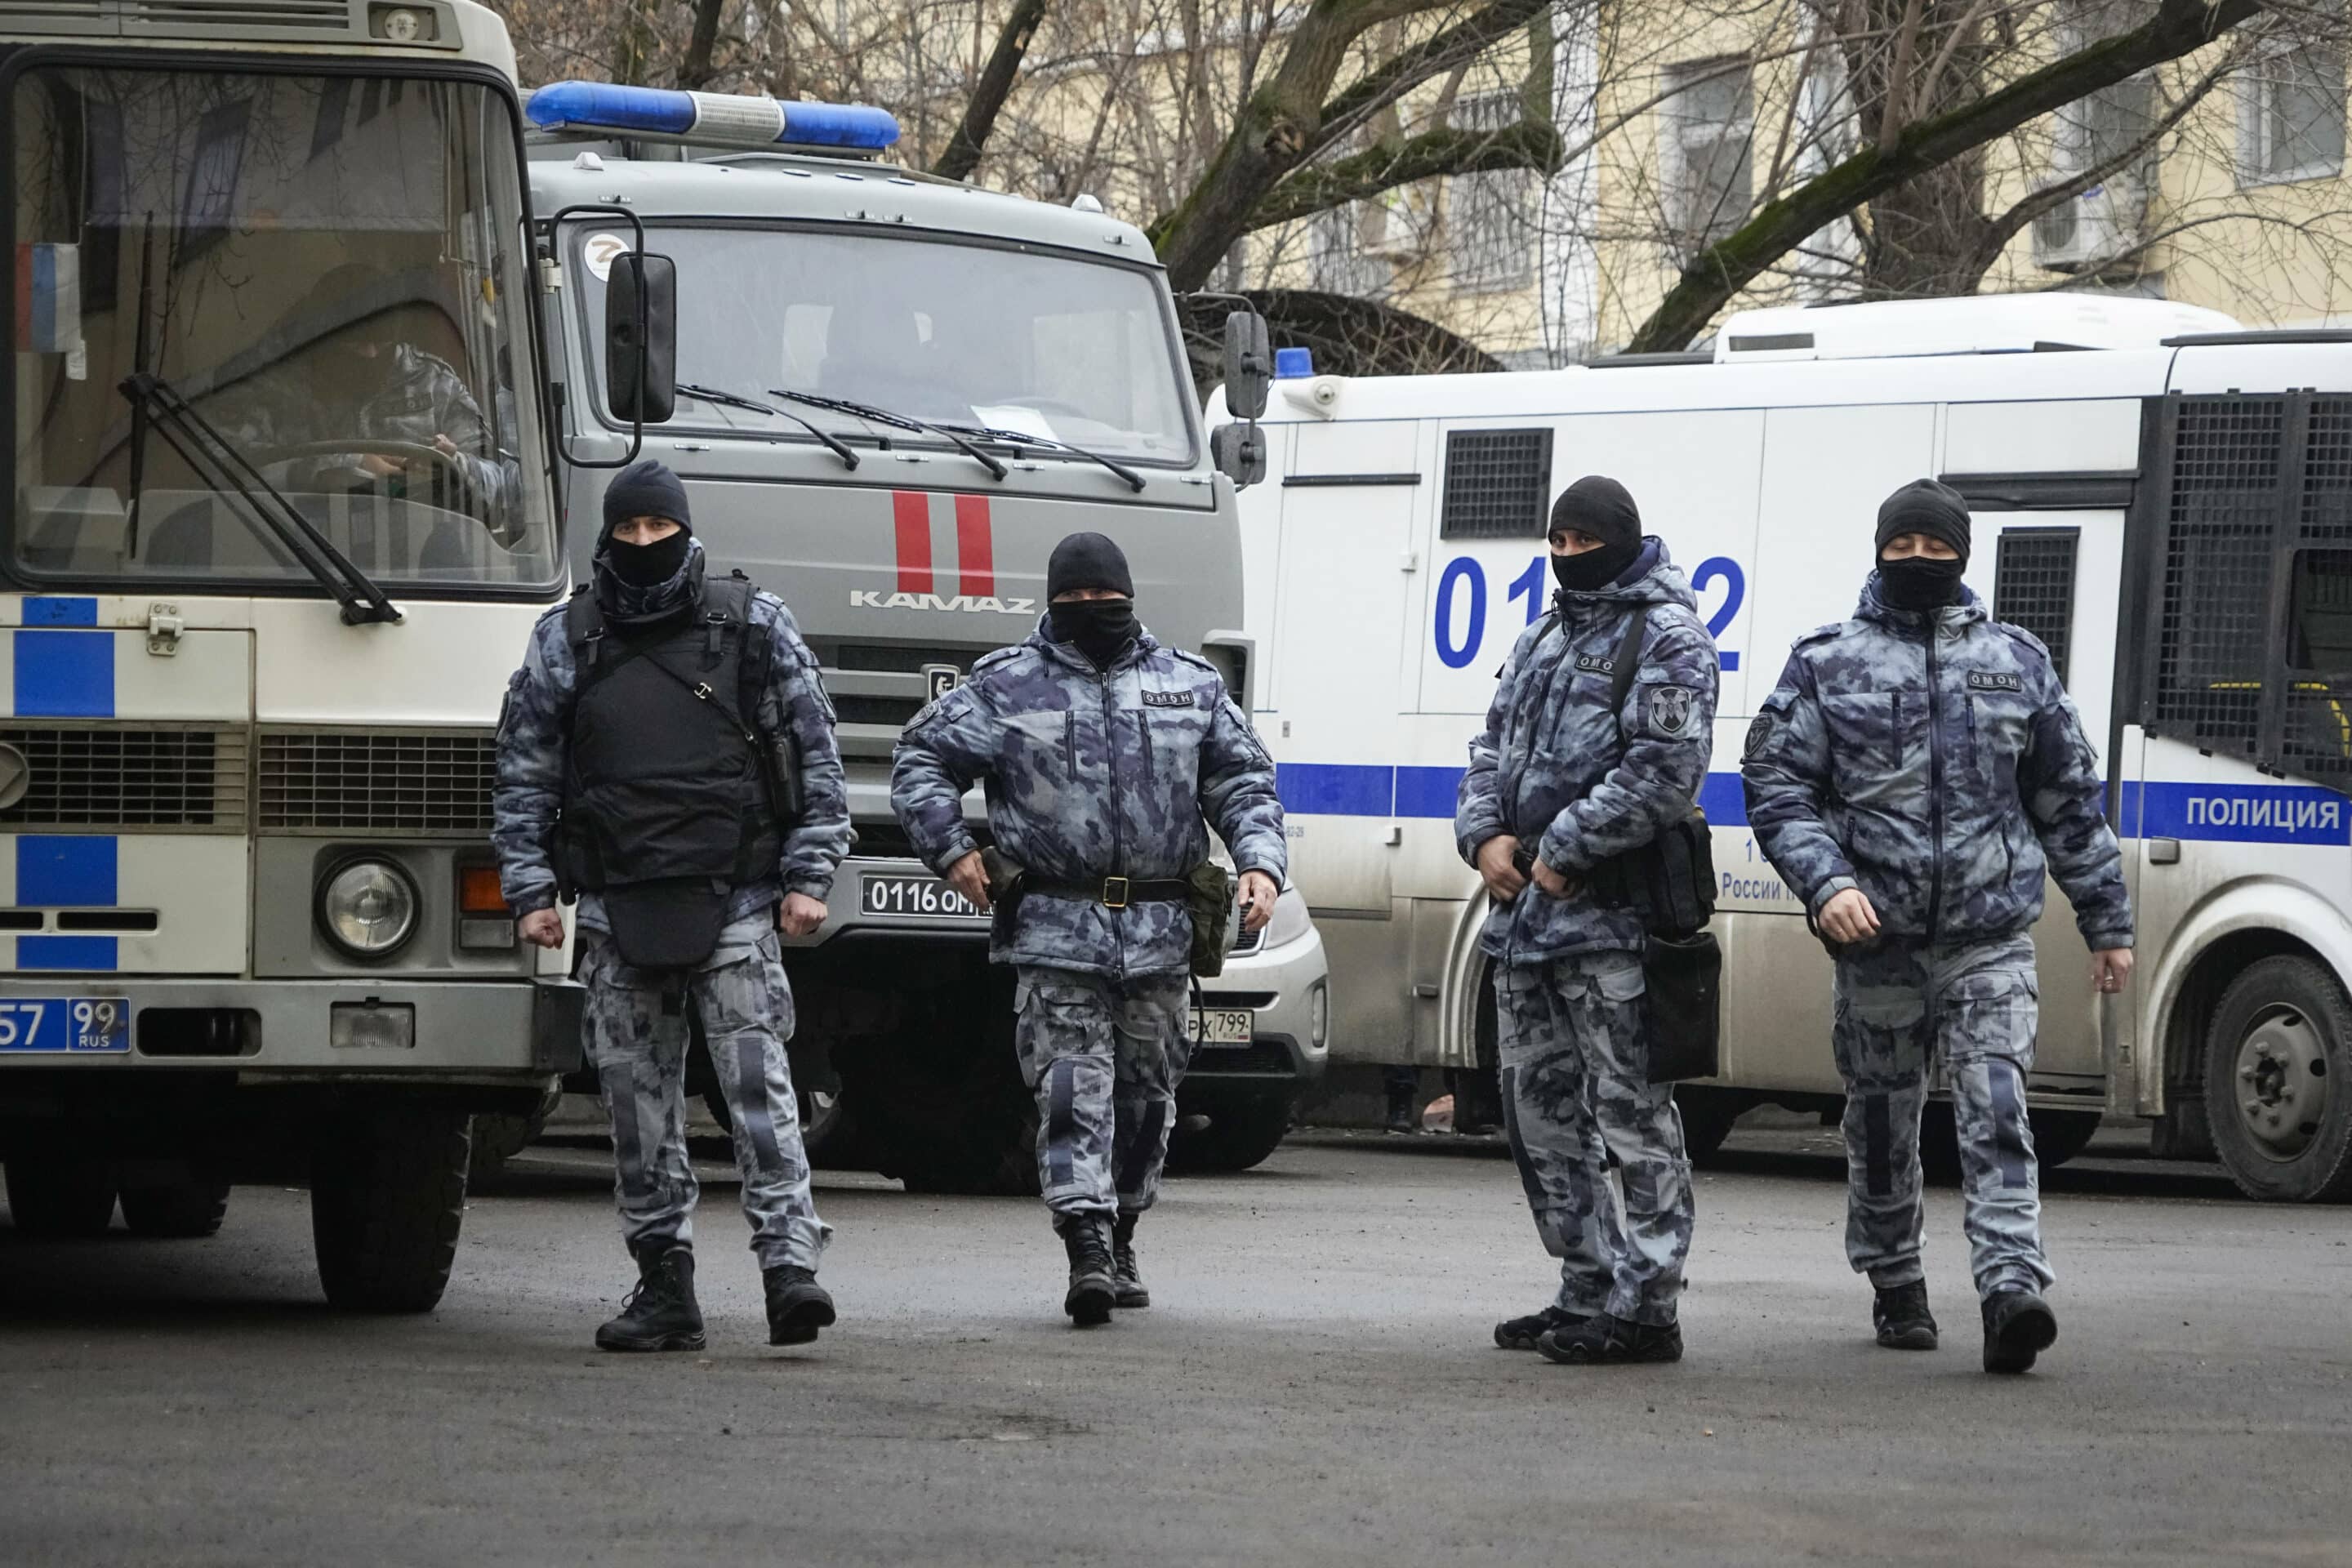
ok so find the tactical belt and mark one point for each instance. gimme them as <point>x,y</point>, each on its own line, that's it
<point>1115,893</point>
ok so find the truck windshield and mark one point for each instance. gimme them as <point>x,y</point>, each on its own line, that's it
<point>965,334</point>
<point>331,271</point>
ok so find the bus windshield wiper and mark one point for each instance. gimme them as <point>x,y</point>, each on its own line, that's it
<point>900,421</point>
<point>215,460</point>
<point>1023,438</point>
<point>751,405</point>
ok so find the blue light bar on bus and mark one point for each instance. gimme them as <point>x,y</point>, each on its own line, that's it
<point>729,119</point>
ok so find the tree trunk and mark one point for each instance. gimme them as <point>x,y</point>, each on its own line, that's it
<point>988,95</point>
<point>697,69</point>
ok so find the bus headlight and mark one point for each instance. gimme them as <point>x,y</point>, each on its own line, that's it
<point>367,907</point>
<point>1290,920</point>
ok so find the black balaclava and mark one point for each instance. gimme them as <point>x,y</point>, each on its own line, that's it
<point>1921,583</point>
<point>1100,629</point>
<point>1602,508</point>
<point>645,489</point>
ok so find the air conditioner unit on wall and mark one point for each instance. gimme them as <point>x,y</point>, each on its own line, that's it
<point>2089,230</point>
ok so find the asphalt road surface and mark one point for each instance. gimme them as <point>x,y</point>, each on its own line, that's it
<point>1314,1384</point>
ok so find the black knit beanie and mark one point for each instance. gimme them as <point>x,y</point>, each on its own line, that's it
<point>1088,560</point>
<point>1924,505</point>
<point>1601,507</point>
<point>645,489</point>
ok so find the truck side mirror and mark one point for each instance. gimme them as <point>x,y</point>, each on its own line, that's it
<point>1249,363</point>
<point>641,338</point>
<point>1239,452</point>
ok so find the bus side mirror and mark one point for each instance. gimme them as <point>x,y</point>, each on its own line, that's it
<point>641,338</point>
<point>1239,453</point>
<point>1249,364</point>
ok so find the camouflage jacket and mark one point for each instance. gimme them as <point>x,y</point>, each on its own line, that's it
<point>1091,774</point>
<point>1575,782</point>
<point>529,790</point>
<point>1941,776</point>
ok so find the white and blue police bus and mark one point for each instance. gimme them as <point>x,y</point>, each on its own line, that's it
<point>280,516</point>
<point>2165,500</point>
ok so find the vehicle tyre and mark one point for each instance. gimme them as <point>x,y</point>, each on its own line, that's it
<point>499,1136</point>
<point>60,1200</point>
<point>2060,1136</point>
<point>187,1209</point>
<point>387,1197</point>
<point>1939,1144</point>
<point>2278,1082</point>
<point>1707,1115</point>
<point>1244,1127</point>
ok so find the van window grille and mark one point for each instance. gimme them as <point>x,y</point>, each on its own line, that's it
<point>2033,586</point>
<point>126,780</point>
<point>1497,484</point>
<point>332,781</point>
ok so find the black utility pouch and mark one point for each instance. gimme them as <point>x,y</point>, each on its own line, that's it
<point>1682,998</point>
<point>666,925</point>
<point>1006,878</point>
<point>1211,905</point>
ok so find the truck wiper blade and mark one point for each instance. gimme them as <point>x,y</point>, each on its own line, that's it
<point>883,417</point>
<point>1023,438</point>
<point>728,400</point>
<point>218,461</point>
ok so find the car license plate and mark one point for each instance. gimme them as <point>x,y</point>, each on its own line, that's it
<point>66,1025</point>
<point>1219,1026</point>
<point>889,895</point>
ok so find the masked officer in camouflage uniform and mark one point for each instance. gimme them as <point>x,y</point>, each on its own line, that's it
<point>1560,777</point>
<point>1103,751</point>
<point>1911,777</point>
<point>624,723</point>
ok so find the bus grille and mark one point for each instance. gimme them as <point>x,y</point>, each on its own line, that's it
<point>124,779</point>
<point>186,17</point>
<point>336,781</point>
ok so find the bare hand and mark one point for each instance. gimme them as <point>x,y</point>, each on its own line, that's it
<point>445,447</point>
<point>1503,880</point>
<point>1848,918</point>
<point>379,466</point>
<point>2110,967</point>
<point>1258,893</point>
<point>969,878</point>
<point>1558,884</point>
<point>799,914</point>
<point>542,927</point>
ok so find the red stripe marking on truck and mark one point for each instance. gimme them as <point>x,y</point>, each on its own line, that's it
<point>911,510</point>
<point>975,547</point>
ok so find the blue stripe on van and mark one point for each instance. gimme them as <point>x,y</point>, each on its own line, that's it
<point>43,611</point>
<point>64,675</point>
<point>66,952</point>
<point>1427,792</point>
<point>1329,789</point>
<point>68,871</point>
<point>2237,814</point>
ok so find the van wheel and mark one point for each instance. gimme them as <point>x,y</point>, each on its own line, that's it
<point>2278,1082</point>
<point>387,1197</point>
<point>187,1209</point>
<point>1708,1114</point>
<point>2060,1136</point>
<point>1244,1127</point>
<point>60,1200</point>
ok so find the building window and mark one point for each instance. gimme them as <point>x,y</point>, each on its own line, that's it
<point>1343,250</point>
<point>2291,116</point>
<point>1490,217</point>
<point>1707,126</point>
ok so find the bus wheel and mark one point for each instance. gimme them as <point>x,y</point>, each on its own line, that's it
<point>60,1200</point>
<point>387,1197</point>
<point>191,1208</point>
<point>2278,1082</point>
<point>1707,1115</point>
<point>1244,1127</point>
<point>499,1136</point>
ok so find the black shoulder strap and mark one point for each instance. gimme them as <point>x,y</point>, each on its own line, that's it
<point>1629,659</point>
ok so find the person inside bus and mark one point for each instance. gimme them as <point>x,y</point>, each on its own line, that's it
<point>1561,781</point>
<point>1910,778</point>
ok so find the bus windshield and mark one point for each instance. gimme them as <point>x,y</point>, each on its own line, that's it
<point>230,284</point>
<point>954,334</point>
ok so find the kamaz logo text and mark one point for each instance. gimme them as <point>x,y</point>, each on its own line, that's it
<point>986,604</point>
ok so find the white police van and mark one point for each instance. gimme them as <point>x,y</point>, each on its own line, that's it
<point>2165,500</point>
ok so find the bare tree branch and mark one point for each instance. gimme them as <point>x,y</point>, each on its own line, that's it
<point>1529,144</point>
<point>989,94</point>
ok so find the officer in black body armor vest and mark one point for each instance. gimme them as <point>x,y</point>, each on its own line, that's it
<point>667,755</point>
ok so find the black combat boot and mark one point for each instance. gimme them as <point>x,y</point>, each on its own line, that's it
<point>1901,1316</point>
<point>1521,1333</point>
<point>1603,1338</point>
<point>660,1313</point>
<point>1086,1239</point>
<point>1127,1287</point>
<point>2019,1326</point>
<point>797,1305</point>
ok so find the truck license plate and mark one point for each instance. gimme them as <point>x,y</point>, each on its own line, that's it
<point>66,1025</point>
<point>1219,1026</point>
<point>890,895</point>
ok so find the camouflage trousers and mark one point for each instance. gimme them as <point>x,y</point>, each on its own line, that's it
<point>1900,1005</point>
<point>1576,1092</point>
<point>639,1047</point>
<point>1104,1059</point>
